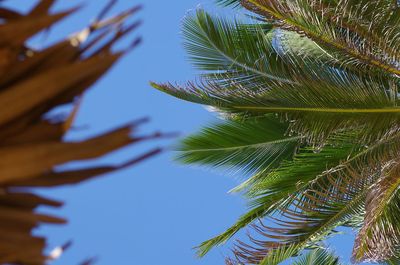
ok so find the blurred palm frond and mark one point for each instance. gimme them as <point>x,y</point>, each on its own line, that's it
<point>34,82</point>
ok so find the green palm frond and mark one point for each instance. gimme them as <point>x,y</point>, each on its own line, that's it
<point>273,189</point>
<point>310,171</point>
<point>230,50</point>
<point>253,146</point>
<point>341,190</point>
<point>318,257</point>
<point>315,112</point>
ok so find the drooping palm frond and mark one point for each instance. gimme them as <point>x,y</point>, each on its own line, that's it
<point>32,83</point>
<point>274,189</point>
<point>309,219</point>
<point>309,173</point>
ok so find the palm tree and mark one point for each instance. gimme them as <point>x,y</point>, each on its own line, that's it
<point>308,92</point>
<point>32,83</point>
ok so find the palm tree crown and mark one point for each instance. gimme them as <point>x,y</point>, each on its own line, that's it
<point>309,96</point>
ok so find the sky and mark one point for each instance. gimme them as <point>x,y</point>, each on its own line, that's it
<point>156,212</point>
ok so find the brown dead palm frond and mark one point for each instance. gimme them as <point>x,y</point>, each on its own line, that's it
<point>32,83</point>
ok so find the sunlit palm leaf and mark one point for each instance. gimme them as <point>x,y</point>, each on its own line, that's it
<point>251,146</point>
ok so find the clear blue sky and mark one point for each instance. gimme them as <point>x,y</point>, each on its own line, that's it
<point>154,213</point>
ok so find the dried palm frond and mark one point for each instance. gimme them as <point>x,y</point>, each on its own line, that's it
<point>32,83</point>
